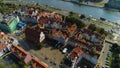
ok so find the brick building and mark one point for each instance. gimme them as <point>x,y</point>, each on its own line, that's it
<point>26,58</point>
<point>33,33</point>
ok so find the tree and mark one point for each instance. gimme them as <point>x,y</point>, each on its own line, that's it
<point>82,16</point>
<point>13,66</point>
<point>81,24</point>
<point>92,27</point>
<point>114,46</point>
<point>2,66</point>
<point>72,19</point>
<point>40,45</point>
<point>71,13</point>
<point>117,49</point>
<point>117,65</point>
<point>1,1</point>
<point>101,31</point>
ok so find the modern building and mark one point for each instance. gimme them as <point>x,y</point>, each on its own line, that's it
<point>9,23</point>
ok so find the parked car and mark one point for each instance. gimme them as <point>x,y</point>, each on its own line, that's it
<point>69,47</point>
<point>59,45</point>
<point>20,25</point>
<point>64,50</point>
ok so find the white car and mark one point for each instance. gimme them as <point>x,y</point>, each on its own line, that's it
<point>64,50</point>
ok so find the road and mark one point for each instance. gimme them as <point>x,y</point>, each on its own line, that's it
<point>102,58</point>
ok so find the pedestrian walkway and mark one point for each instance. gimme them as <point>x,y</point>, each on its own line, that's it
<point>5,55</point>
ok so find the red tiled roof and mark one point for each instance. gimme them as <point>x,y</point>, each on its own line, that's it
<point>78,51</point>
<point>2,46</point>
<point>27,59</point>
<point>73,55</point>
<point>21,53</point>
<point>2,35</point>
<point>36,63</point>
<point>22,50</point>
<point>46,16</point>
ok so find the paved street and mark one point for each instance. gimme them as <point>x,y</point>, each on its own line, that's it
<point>54,56</point>
<point>103,55</point>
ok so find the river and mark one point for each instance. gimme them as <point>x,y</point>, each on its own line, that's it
<point>95,12</point>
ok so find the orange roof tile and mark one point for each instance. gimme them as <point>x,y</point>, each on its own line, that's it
<point>40,63</point>
<point>2,46</point>
<point>78,50</point>
<point>22,50</point>
<point>21,53</point>
<point>73,55</point>
<point>2,35</point>
<point>46,16</point>
<point>27,59</point>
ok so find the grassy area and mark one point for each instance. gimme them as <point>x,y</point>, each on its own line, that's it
<point>104,24</point>
<point>4,64</point>
<point>111,60</point>
<point>22,36</point>
<point>115,60</point>
<point>97,4</point>
<point>7,7</point>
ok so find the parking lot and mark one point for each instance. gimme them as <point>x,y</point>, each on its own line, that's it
<point>48,53</point>
<point>53,57</point>
<point>104,54</point>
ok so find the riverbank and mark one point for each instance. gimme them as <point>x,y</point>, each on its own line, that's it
<point>40,6</point>
<point>52,9</point>
<point>93,4</point>
<point>62,12</point>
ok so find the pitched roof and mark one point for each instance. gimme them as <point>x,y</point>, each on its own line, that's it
<point>1,35</point>
<point>2,46</point>
<point>27,59</point>
<point>39,63</point>
<point>20,49</point>
<point>78,51</point>
<point>20,53</point>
